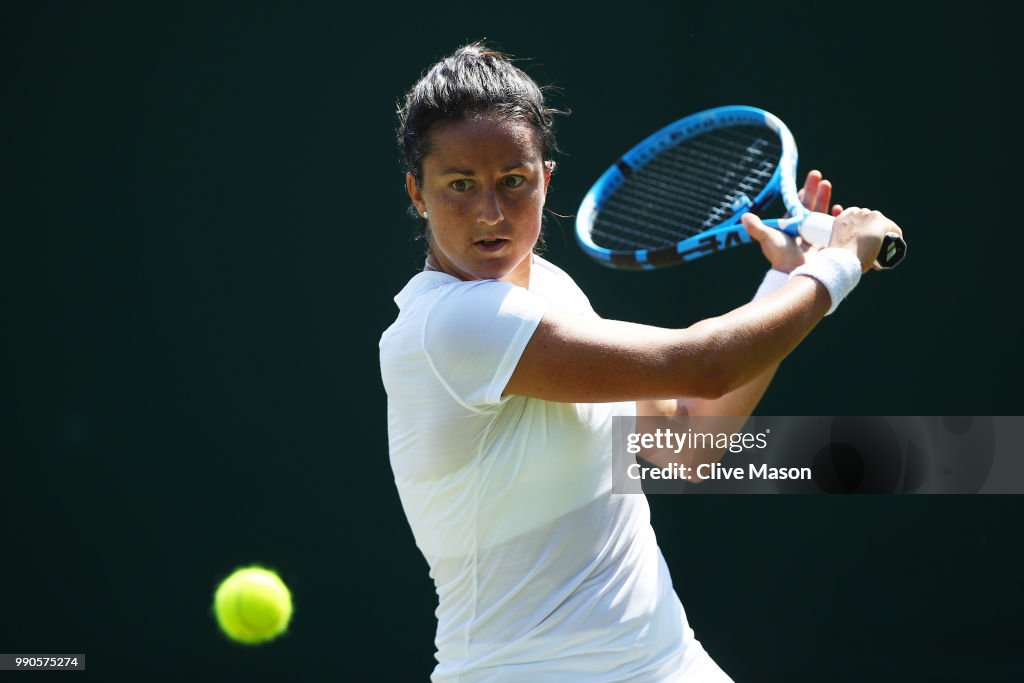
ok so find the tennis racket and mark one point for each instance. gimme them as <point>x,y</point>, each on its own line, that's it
<point>679,194</point>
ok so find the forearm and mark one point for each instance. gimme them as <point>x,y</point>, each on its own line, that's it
<point>739,403</point>
<point>779,321</point>
<point>730,413</point>
<point>730,410</point>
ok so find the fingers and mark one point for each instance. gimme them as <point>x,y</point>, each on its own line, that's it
<point>816,194</point>
<point>783,252</point>
<point>756,228</point>
<point>824,197</point>
<point>862,231</point>
<point>762,233</point>
<point>836,210</point>
<point>809,194</point>
<point>875,220</point>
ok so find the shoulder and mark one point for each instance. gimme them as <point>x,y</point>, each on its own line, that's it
<point>423,288</point>
<point>438,311</point>
<point>466,337</point>
<point>431,288</point>
<point>465,312</point>
<point>547,269</point>
<point>556,285</point>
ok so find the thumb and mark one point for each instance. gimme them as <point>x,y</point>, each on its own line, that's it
<point>756,228</point>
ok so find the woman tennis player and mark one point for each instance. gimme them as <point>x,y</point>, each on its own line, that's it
<point>502,382</point>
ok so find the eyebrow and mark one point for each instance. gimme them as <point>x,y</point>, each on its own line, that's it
<point>469,171</point>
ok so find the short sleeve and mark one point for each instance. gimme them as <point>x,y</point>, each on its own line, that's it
<point>475,334</point>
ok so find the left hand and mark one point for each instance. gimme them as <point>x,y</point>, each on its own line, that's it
<point>784,252</point>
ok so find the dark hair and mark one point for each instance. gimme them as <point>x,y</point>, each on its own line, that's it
<point>474,81</point>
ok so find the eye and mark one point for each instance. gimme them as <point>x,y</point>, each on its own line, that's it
<point>461,185</point>
<point>513,180</point>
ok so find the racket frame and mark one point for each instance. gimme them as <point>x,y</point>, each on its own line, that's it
<point>729,232</point>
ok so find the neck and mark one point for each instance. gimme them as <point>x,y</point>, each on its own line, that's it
<point>520,276</point>
<point>431,263</point>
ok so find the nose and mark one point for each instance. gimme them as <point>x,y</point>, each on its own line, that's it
<point>489,211</point>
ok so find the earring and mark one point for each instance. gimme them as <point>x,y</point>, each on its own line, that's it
<point>424,214</point>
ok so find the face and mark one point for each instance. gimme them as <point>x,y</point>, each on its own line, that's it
<point>483,187</point>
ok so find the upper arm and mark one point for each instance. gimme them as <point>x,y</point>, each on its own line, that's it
<point>473,336</point>
<point>583,359</point>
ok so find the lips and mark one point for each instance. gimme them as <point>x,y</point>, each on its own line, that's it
<point>491,244</point>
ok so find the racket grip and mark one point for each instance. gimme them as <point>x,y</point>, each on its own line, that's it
<point>816,228</point>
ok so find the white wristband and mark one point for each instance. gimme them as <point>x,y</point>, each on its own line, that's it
<point>837,269</point>
<point>773,279</point>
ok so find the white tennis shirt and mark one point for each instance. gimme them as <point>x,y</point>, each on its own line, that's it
<point>542,574</point>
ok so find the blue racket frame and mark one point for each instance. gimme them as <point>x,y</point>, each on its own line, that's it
<point>726,234</point>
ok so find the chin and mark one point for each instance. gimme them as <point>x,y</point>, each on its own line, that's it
<point>495,269</point>
<point>491,273</point>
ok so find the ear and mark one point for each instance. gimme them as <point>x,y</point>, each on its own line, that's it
<point>414,193</point>
<point>549,168</point>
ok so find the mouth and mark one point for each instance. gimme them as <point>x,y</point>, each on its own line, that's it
<point>491,244</point>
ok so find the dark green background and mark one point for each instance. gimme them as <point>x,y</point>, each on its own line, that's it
<point>204,224</point>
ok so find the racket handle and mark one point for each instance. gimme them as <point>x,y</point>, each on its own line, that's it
<point>816,228</point>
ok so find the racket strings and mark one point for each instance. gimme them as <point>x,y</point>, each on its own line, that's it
<point>661,201</point>
<point>688,188</point>
<point>715,168</point>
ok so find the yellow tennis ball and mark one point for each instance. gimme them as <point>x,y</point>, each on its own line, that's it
<point>253,605</point>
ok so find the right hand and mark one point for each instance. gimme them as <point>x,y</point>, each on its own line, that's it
<point>862,231</point>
